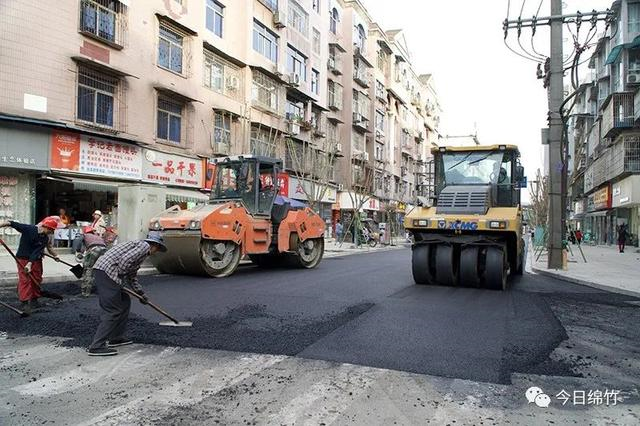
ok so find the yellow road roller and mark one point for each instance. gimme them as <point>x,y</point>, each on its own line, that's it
<point>470,233</point>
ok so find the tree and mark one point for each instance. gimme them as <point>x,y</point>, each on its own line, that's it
<point>312,162</point>
<point>539,200</point>
<point>360,190</point>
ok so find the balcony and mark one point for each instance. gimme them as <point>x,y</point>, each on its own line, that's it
<point>617,114</point>
<point>360,121</point>
<point>319,126</point>
<point>334,65</point>
<point>335,102</point>
<point>636,106</point>
<point>362,77</point>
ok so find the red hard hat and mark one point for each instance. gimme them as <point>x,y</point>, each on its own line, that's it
<point>87,229</point>
<point>49,222</point>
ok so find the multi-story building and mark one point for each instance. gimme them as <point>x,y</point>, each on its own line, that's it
<point>605,130</point>
<point>109,104</point>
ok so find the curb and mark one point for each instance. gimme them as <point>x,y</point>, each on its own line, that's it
<point>585,282</point>
<point>11,280</point>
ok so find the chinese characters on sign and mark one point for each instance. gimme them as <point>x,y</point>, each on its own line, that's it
<point>172,169</point>
<point>90,155</point>
<point>607,397</point>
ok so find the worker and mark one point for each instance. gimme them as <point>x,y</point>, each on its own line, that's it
<point>33,240</point>
<point>99,225</point>
<point>118,268</point>
<point>64,218</point>
<point>92,246</point>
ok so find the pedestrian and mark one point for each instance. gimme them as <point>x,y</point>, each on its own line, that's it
<point>622,237</point>
<point>33,240</point>
<point>64,218</point>
<point>339,231</point>
<point>99,225</point>
<point>92,246</point>
<point>118,268</point>
<point>578,236</point>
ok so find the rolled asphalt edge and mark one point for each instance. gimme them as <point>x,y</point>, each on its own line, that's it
<point>574,280</point>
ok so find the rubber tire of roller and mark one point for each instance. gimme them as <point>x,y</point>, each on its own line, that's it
<point>301,263</point>
<point>469,270</point>
<point>495,273</point>
<point>420,264</point>
<point>228,270</point>
<point>446,266</point>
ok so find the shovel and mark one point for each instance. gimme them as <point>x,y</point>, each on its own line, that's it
<point>76,270</point>
<point>16,310</point>
<point>173,323</point>
<point>44,293</point>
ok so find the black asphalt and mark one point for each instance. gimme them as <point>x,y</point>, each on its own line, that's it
<point>360,309</point>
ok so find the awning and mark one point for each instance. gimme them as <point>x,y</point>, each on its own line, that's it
<point>94,185</point>
<point>614,54</point>
<point>173,93</point>
<point>186,196</point>
<point>105,68</point>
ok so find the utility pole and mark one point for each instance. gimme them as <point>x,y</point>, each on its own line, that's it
<point>557,168</point>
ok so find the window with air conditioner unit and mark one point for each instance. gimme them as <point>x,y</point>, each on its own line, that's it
<point>294,79</point>
<point>338,147</point>
<point>279,19</point>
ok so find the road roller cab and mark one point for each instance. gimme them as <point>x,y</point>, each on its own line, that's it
<point>470,233</point>
<point>244,216</point>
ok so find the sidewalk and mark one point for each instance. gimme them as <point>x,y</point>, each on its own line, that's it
<point>606,268</point>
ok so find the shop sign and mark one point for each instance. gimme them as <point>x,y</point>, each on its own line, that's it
<point>172,169</point>
<point>22,149</point>
<point>602,199</point>
<point>578,207</point>
<point>402,206</point>
<point>372,204</point>
<point>95,156</point>
<point>297,191</point>
<point>266,180</point>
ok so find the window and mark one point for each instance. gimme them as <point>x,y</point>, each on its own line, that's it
<point>298,18</point>
<point>379,154</point>
<point>263,142</point>
<point>222,129</point>
<point>294,111</point>
<point>334,95</point>
<point>214,17</point>
<point>296,63</point>
<point>334,18</point>
<point>264,91</point>
<point>380,91</point>
<point>100,18</point>
<point>170,49</point>
<point>265,42</point>
<point>360,104</point>
<point>316,5</point>
<point>213,74</point>
<point>360,37</point>
<point>169,120</point>
<point>271,4</point>
<point>633,12</point>
<point>380,121</point>
<point>316,41</point>
<point>96,97</point>
<point>315,82</point>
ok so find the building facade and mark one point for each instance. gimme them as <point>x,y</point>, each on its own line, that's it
<point>605,134</point>
<point>102,99</point>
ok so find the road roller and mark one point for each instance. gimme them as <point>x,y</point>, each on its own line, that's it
<point>245,215</point>
<point>470,232</point>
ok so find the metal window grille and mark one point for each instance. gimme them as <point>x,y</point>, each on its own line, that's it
<point>265,92</point>
<point>169,120</point>
<point>170,49</point>
<point>263,142</point>
<point>100,100</point>
<point>103,19</point>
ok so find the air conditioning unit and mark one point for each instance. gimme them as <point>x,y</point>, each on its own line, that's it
<point>279,19</point>
<point>233,83</point>
<point>365,156</point>
<point>338,147</point>
<point>331,63</point>
<point>633,77</point>
<point>357,117</point>
<point>379,135</point>
<point>294,79</point>
<point>340,187</point>
<point>293,128</point>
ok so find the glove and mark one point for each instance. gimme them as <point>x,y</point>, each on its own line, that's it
<point>27,268</point>
<point>143,299</point>
<point>56,258</point>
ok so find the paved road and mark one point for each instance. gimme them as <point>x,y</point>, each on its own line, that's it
<point>353,340</point>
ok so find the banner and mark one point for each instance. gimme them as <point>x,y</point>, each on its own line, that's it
<point>95,156</point>
<point>297,191</point>
<point>172,169</point>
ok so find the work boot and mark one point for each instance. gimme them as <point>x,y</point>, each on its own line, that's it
<point>26,308</point>
<point>123,341</point>
<point>34,304</point>
<point>102,351</point>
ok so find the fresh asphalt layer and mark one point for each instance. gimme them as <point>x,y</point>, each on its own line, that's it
<point>361,309</point>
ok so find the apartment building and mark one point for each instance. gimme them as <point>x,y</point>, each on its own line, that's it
<point>106,104</point>
<point>604,132</point>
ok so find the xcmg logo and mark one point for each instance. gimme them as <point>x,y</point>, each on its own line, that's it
<point>458,225</point>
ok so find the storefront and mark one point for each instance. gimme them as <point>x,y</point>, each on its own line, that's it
<point>327,194</point>
<point>88,173</point>
<point>599,221</point>
<point>24,154</point>
<point>626,202</point>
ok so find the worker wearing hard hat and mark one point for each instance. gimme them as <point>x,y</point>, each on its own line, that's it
<point>33,241</point>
